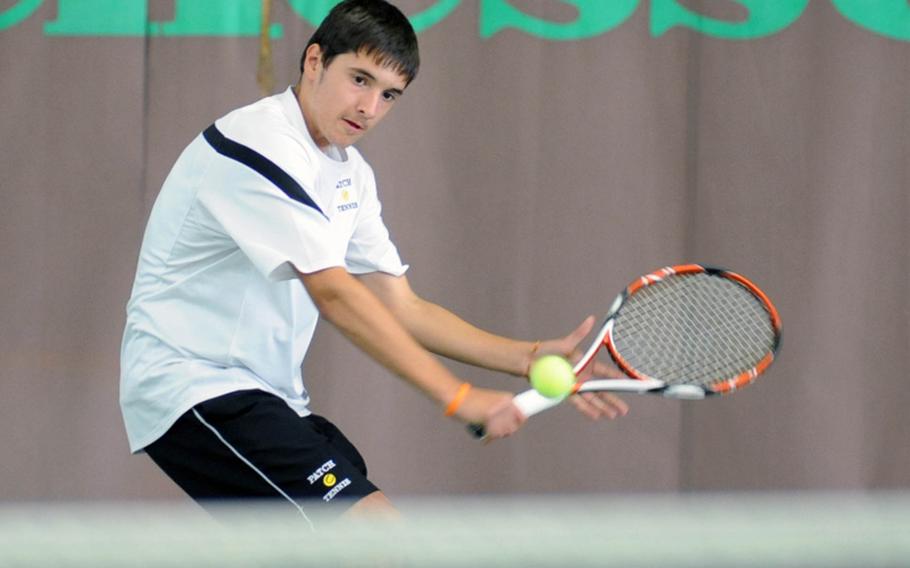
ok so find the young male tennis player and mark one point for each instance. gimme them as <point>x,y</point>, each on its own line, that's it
<point>268,220</point>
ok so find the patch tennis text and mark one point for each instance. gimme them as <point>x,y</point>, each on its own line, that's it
<point>345,196</point>
<point>336,490</point>
<point>322,470</point>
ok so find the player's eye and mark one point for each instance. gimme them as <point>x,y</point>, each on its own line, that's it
<point>360,80</point>
<point>389,96</point>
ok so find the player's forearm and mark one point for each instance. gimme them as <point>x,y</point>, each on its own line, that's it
<point>367,323</point>
<point>446,334</point>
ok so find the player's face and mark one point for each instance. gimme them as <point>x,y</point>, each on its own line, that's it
<point>344,100</point>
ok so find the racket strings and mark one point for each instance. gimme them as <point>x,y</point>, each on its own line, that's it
<point>693,329</point>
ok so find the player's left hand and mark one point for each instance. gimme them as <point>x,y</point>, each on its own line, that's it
<point>594,405</point>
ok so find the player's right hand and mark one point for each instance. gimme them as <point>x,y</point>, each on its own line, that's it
<point>494,410</point>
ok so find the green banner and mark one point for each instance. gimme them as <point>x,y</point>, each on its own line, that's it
<point>888,18</point>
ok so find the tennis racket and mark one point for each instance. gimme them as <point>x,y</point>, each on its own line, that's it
<point>685,332</point>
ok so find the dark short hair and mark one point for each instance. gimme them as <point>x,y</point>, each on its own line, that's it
<point>373,27</point>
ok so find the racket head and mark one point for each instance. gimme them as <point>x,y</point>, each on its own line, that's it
<point>693,326</point>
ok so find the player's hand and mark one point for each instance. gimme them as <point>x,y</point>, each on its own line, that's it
<point>593,405</point>
<point>494,410</point>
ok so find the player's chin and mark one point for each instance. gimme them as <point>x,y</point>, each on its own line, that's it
<point>352,135</point>
<point>357,134</point>
<point>345,141</point>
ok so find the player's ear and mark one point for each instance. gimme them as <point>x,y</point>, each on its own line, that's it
<point>312,61</point>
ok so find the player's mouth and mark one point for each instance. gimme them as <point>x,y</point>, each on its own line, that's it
<point>357,127</point>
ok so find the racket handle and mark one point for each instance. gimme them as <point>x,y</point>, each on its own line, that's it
<point>477,431</point>
<point>529,402</point>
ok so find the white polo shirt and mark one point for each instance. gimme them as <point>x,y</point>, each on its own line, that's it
<point>216,305</point>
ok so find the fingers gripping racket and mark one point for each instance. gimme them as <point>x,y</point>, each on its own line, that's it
<point>685,332</point>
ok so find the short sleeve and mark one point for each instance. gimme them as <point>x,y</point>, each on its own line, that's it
<point>371,248</point>
<point>271,217</point>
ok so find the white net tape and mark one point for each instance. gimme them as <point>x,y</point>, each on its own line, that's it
<point>830,530</point>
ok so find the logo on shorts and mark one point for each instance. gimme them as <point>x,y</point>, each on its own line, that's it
<point>322,470</point>
<point>336,490</point>
<point>329,480</point>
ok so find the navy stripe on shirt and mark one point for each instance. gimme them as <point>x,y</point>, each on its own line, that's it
<point>260,164</point>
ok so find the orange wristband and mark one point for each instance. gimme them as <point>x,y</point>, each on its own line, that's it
<point>458,399</point>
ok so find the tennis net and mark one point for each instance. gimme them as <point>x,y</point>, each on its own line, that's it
<point>688,530</point>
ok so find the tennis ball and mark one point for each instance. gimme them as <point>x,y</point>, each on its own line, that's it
<point>552,376</point>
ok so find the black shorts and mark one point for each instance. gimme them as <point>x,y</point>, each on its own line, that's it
<point>251,444</point>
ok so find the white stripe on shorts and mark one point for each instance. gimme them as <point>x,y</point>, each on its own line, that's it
<point>254,468</point>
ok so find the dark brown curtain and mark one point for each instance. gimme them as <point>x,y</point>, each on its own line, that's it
<point>526,181</point>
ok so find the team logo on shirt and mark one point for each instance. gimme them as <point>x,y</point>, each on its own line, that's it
<point>329,480</point>
<point>346,204</point>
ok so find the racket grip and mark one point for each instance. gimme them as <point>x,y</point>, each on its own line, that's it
<point>529,402</point>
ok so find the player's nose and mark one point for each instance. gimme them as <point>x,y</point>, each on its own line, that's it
<point>368,105</point>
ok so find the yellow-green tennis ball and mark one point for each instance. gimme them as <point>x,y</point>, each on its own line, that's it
<point>552,376</point>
